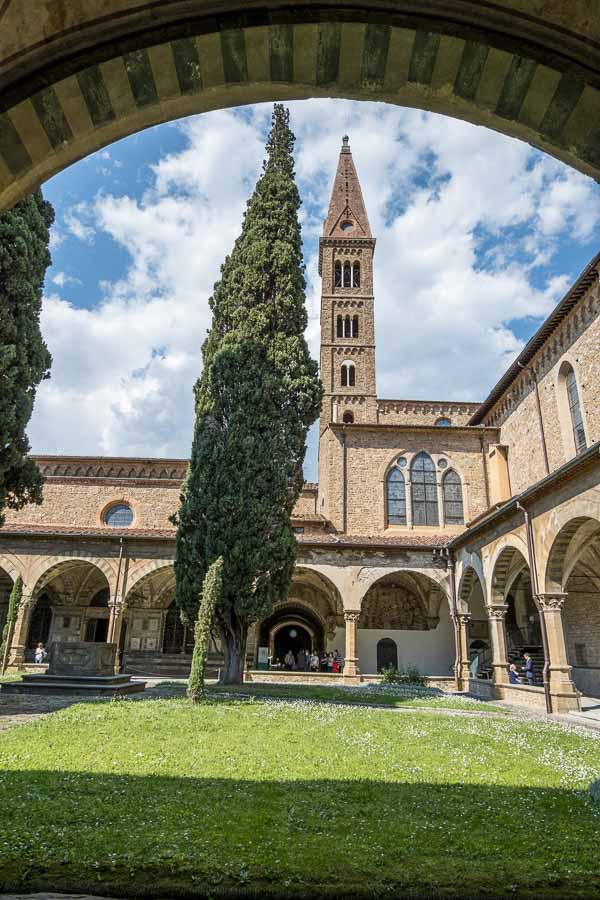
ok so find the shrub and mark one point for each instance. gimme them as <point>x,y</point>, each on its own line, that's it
<point>403,675</point>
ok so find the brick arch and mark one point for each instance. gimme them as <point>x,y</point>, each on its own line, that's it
<point>468,579</point>
<point>570,543</point>
<point>50,567</point>
<point>509,561</point>
<point>149,568</point>
<point>11,566</point>
<point>77,77</point>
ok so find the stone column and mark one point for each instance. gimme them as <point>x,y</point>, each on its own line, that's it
<point>115,623</point>
<point>562,689</point>
<point>16,657</point>
<point>497,614</point>
<point>351,670</point>
<point>462,632</point>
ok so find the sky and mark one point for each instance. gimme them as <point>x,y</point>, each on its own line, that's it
<point>478,236</point>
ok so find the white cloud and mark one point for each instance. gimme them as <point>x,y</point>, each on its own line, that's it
<point>462,216</point>
<point>61,278</point>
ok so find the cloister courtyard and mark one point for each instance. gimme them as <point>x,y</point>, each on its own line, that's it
<point>427,795</point>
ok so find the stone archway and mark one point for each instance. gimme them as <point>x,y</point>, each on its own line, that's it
<point>76,77</point>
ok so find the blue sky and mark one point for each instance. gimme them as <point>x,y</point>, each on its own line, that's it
<point>478,237</point>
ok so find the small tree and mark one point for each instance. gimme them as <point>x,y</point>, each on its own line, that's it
<point>14,602</point>
<point>24,357</point>
<point>211,590</point>
<point>257,397</point>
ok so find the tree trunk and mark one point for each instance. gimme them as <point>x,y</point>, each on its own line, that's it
<point>233,639</point>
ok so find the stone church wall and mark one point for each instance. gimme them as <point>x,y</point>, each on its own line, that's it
<point>423,412</point>
<point>576,341</point>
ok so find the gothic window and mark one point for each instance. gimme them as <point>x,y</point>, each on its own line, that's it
<point>119,515</point>
<point>347,275</point>
<point>337,274</point>
<point>453,499</point>
<point>348,374</point>
<point>340,327</point>
<point>356,275</point>
<point>396,498</point>
<point>355,326</point>
<point>347,327</point>
<point>575,410</point>
<point>348,418</point>
<point>424,491</point>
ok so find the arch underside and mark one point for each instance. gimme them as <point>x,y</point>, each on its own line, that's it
<point>73,81</point>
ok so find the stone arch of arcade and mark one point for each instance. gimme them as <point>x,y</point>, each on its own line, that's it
<point>572,582</point>
<point>76,77</point>
<point>471,604</point>
<point>412,610</point>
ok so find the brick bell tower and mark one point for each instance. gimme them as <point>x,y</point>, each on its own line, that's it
<point>347,303</point>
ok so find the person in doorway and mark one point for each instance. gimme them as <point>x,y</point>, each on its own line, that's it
<point>40,653</point>
<point>513,675</point>
<point>529,670</point>
<point>300,660</point>
<point>289,660</point>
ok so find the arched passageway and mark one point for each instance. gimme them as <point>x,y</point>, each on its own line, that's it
<point>6,584</point>
<point>410,610</point>
<point>76,77</point>
<point>574,570</point>
<point>478,650</point>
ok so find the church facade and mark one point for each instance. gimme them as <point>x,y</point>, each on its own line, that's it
<point>452,537</point>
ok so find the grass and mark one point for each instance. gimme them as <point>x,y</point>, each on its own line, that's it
<point>396,696</point>
<point>159,798</point>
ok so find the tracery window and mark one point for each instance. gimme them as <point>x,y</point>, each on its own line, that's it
<point>453,499</point>
<point>337,274</point>
<point>348,374</point>
<point>424,491</point>
<point>347,275</point>
<point>340,327</point>
<point>396,497</point>
<point>356,274</point>
<point>575,410</point>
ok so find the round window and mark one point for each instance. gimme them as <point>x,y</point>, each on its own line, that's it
<point>443,423</point>
<point>442,463</point>
<point>402,462</point>
<point>119,515</point>
<point>347,225</point>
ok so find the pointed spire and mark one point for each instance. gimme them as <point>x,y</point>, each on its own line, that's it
<point>347,216</point>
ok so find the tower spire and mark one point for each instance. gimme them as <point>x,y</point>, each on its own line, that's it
<point>347,216</point>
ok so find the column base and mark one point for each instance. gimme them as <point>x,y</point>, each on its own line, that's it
<point>500,673</point>
<point>349,678</point>
<point>565,702</point>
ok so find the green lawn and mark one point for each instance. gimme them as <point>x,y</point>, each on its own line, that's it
<point>304,799</point>
<point>376,694</point>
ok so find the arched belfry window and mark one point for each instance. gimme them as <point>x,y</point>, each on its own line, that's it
<point>348,417</point>
<point>340,327</point>
<point>347,327</point>
<point>356,274</point>
<point>396,498</point>
<point>337,274</point>
<point>355,326</point>
<point>453,499</point>
<point>347,275</point>
<point>348,374</point>
<point>574,409</point>
<point>424,491</point>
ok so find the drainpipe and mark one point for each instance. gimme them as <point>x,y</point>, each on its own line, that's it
<point>457,635</point>
<point>485,474</point>
<point>533,374</point>
<point>344,491</point>
<point>116,594</point>
<point>535,586</point>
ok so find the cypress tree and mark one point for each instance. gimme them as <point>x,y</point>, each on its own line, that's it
<point>258,394</point>
<point>24,357</point>
<point>211,590</point>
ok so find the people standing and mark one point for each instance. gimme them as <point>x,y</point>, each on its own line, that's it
<point>529,670</point>
<point>289,660</point>
<point>339,660</point>
<point>300,660</point>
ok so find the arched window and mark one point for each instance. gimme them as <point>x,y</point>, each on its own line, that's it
<point>443,422</point>
<point>347,327</point>
<point>119,515</point>
<point>355,326</point>
<point>337,274</point>
<point>347,275</point>
<point>424,491</point>
<point>356,275</point>
<point>348,418</point>
<point>348,374</point>
<point>396,498</point>
<point>340,327</point>
<point>575,410</point>
<point>453,499</point>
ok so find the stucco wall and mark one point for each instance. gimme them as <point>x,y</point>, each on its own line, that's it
<point>432,652</point>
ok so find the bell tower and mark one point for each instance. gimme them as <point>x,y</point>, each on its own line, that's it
<point>346,251</point>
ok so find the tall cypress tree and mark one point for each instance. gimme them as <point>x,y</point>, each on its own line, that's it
<point>24,357</point>
<point>257,396</point>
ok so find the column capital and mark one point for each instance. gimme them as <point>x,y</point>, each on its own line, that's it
<point>553,600</point>
<point>497,611</point>
<point>463,618</point>
<point>351,615</point>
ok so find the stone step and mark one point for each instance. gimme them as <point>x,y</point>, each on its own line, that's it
<point>73,684</point>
